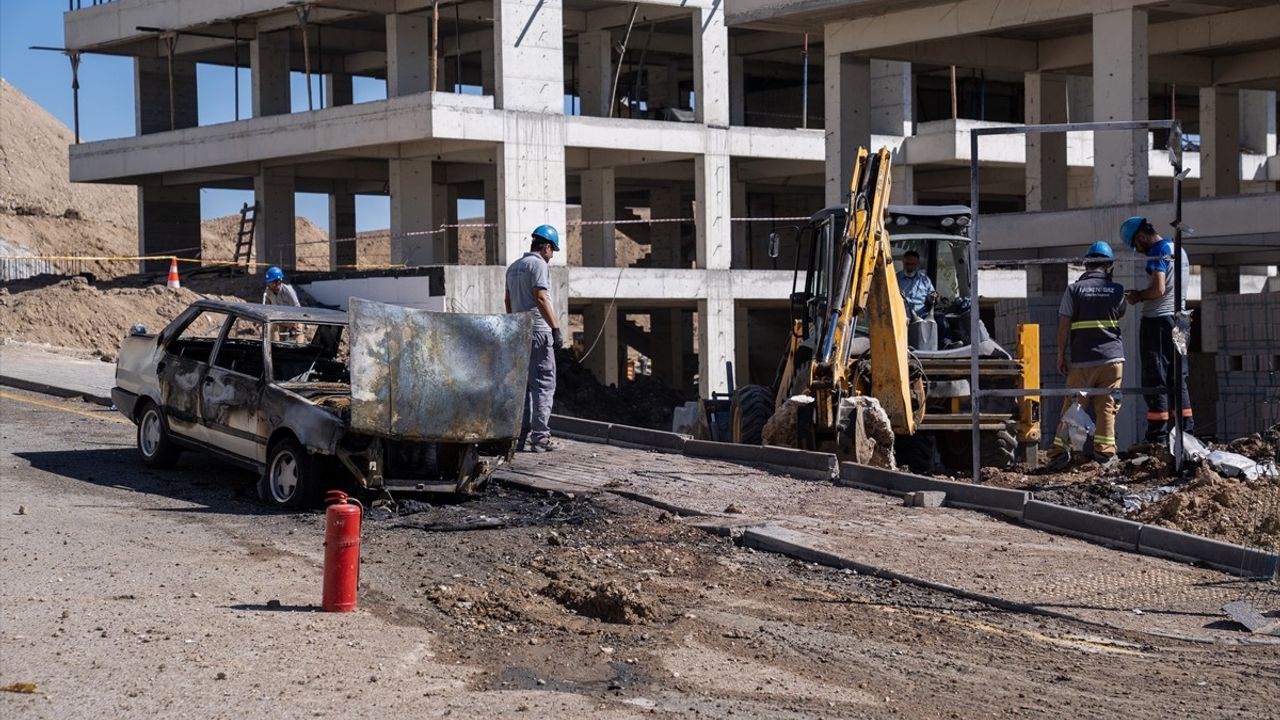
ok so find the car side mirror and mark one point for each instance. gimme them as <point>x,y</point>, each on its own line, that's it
<point>774,244</point>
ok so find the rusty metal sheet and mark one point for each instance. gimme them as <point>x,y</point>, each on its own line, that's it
<point>448,377</point>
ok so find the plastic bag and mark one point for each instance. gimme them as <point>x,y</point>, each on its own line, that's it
<point>1076,427</point>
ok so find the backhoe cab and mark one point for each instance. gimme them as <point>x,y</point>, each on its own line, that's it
<point>852,341</point>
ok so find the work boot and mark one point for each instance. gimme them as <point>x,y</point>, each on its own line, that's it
<point>544,445</point>
<point>1059,462</point>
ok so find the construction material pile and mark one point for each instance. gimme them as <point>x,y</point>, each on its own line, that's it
<point>1141,485</point>
<point>643,402</point>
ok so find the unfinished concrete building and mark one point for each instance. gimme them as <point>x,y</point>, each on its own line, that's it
<point>692,116</point>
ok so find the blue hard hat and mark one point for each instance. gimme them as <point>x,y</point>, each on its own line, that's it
<point>1102,248</point>
<point>1129,228</point>
<point>548,233</point>
<point>274,274</point>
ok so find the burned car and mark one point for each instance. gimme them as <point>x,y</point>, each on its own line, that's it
<point>381,397</point>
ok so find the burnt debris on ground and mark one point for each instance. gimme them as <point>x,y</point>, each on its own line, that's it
<point>643,402</point>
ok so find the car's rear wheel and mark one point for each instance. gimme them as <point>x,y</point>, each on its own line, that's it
<point>291,476</point>
<point>155,445</point>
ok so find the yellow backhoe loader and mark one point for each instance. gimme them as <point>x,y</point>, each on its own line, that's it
<point>865,378</point>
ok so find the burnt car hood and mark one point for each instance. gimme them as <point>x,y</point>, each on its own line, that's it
<point>433,376</point>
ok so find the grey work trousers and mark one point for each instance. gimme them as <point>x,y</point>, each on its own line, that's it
<point>540,391</point>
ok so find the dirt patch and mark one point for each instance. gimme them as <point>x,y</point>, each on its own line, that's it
<point>1239,511</point>
<point>606,601</point>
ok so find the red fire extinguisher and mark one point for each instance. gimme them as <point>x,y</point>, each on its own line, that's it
<point>341,552</point>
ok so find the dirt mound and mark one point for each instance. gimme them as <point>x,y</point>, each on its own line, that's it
<point>643,402</point>
<point>75,313</point>
<point>1231,509</point>
<point>605,601</point>
<point>218,241</point>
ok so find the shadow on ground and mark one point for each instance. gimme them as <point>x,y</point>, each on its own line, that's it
<point>197,478</point>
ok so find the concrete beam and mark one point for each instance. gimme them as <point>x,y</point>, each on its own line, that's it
<point>1246,68</point>
<point>848,118</point>
<point>990,53</point>
<point>957,19</point>
<point>1120,93</point>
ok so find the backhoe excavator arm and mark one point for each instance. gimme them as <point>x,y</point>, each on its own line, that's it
<point>865,286</point>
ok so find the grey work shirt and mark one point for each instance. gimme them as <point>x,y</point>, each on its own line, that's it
<point>286,296</point>
<point>1161,260</point>
<point>524,278</point>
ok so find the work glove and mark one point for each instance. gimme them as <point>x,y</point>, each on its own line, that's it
<point>557,340</point>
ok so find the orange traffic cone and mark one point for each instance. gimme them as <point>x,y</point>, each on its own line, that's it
<point>173,274</point>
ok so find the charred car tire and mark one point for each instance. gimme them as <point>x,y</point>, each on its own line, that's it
<point>155,445</point>
<point>751,408</point>
<point>291,478</point>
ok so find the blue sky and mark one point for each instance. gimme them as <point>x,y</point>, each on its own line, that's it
<point>106,99</point>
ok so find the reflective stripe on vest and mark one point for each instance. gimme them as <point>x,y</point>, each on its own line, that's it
<point>1095,324</point>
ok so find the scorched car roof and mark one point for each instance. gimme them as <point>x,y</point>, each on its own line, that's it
<point>275,313</point>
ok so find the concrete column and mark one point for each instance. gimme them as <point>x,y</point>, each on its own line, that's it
<point>269,62</point>
<point>1046,169</point>
<point>664,238</point>
<point>453,236</point>
<point>891,106</point>
<point>737,88</point>
<point>486,70</point>
<point>168,223</point>
<point>599,246</point>
<point>595,72</point>
<point>338,89</point>
<point>442,242</point>
<point>740,232</point>
<point>411,211</point>
<point>713,203</point>
<point>603,360</point>
<point>408,54</point>
<point>1214,283</point>
<point>716,335</point>
<point>273,189</point>
<point>531,180</point>
<point>711,66</point>
<point>151,95</point>
<point>662,82</point>
<point>848,119</point>
<point>1079,98</point>
<point>669,340</point>
<point>1219,141</point>
<point>903,178</point>
<point>343,251</point>
<point>529,57</point>
<point>1258,121</point>
<point>1120,93</point>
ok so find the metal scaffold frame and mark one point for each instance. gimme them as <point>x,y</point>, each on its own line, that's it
<point>1179,173</point>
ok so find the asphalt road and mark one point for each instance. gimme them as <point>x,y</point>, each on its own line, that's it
<point>131,593</point>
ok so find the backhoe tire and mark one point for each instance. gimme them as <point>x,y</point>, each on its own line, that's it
<point>999,449</point>
<point>750,409</point>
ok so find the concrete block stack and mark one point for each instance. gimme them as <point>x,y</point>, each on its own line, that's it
<point>1248,363</point>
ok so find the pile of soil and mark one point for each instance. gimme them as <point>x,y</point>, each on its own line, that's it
<point>643,402</point>
<point>1141,486</point>
<point>83,314</point>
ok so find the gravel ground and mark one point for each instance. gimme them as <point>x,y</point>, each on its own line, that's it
<point>130,593</point>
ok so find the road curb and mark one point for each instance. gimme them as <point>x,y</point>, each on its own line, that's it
<point>54,390</point>
<point>800,463</point>
<point>1224,556</point>
<point>579,429</point>
<point>628,436</point>
<point>1096,528</point>
<point>959,494</point>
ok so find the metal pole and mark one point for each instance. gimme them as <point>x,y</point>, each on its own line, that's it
<point>1178,358</point>
<point>170,41</point>
<point>435,45</point>
<point>74,55</point>
<point>804,83</point>
<point>613,94</point>
<point>975,323</point>
<point>457,51</point>
<point>954,108</point>
<point>303,11</point>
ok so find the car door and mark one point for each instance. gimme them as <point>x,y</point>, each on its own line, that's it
<point>182,369</point>
<point>231,392</point>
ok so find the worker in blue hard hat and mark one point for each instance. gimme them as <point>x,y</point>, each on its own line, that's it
<point>1090,350</point>
<point>529,290</point>
<point>277,292</point>
<point>1159,318</point>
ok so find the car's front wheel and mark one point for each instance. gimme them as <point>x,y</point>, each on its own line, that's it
<point>155,445</point>
<point>291,476</point>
